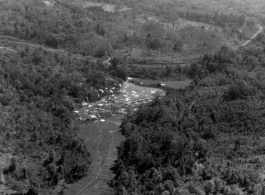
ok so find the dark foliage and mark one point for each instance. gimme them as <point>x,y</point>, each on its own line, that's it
<point>39,91</point>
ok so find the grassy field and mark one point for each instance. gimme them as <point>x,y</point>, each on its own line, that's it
<point>102,138</point>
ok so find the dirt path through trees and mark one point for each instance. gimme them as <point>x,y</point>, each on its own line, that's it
<point>99,162</point>
<point>102,138</point>
<point>48,49</point>
<point>254,36</point>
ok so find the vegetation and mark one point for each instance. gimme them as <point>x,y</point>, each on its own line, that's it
<point>206,139</point>
<point>172,147</point>
<point>39,92</point>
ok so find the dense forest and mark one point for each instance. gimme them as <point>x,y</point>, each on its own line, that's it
<point>66,26</point>
<point>90,31</point>
<point>38,93</point>
<point>172,147</point>
<point>207,139</point>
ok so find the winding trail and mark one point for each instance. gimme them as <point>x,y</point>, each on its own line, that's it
<point>254,36</point>
<point>111,143</point>
<point>107,61</point>
<point>48,49</point>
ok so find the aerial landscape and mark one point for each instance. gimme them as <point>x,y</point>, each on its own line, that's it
<point>132,97</point>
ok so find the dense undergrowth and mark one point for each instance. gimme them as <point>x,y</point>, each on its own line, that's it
<point>208,139</point>
<point>195,141</point>
<point>38,94</point>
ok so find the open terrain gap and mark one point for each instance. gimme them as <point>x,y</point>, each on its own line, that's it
<point>99,163</point>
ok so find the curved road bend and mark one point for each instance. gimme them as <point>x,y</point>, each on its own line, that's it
<point>107,61</point>
<point>254,36</point>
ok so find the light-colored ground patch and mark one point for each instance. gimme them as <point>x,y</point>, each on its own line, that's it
<point>170,84</point>
<point>107,7</point>
<point>180,23</point>
<point>129,94</point>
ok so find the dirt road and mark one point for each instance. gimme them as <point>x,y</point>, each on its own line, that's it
<point>254,36</point>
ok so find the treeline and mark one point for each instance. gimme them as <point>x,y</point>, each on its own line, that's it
<point>218,69</point>
<point>167,72</point>
<point>220,63</point>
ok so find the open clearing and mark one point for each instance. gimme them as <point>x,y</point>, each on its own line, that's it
<point>102,135</point>
<point>115,103</point>
<point>131,92</point>
<point>102,139</point>
<point>170,84</point>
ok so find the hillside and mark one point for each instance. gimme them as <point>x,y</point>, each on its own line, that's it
<point>62,57</point>
<point>205,139</point>
<point>41,84</point>
<point>133,31</point>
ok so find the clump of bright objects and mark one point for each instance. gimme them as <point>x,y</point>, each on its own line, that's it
<point>128,96</point>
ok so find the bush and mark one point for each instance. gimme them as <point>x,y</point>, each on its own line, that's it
<point>11,168</point>
<point>178,45</point>
<point>103,48</point>
<point>153,43</point>
<point>240,91</point>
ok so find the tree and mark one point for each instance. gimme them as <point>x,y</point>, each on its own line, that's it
<point>178,45</point>
<point>263,190</point>
<point>251,23</point>
<point>102,49</point>
<point>153,42</point>
<point>99,29</point>
<point>238,91</point>
<point>196,70</point>
<point>241,20</point>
